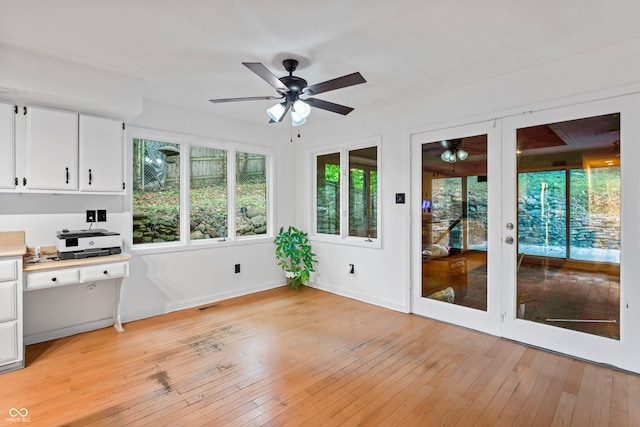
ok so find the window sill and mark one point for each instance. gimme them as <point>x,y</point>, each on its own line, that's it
<point>361,242</point>
<point>196,245</point>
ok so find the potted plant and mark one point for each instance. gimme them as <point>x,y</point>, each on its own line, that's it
<point>293,252</point>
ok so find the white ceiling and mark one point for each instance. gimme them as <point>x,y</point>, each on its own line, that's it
<point>189,51</point>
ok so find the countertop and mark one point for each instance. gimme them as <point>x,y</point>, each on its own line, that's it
<point>50,265</point>
<point>12,243</point>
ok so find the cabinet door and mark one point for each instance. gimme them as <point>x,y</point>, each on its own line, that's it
<point>9,343</point>
<point>7,145</point>
<point>9,301</point>
<point>52,150</point>
<point>101,154</point>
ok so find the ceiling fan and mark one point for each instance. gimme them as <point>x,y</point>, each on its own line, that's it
<point>290,89</point>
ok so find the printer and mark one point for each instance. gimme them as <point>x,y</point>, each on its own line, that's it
<point>77,244</point>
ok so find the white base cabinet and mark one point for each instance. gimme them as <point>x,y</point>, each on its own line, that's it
<point>11,341</point>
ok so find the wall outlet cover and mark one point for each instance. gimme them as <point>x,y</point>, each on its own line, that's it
<point>102,215</point>
<point>91,216</point>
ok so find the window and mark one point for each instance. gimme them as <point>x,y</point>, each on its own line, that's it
<point>156,191</point>
<point>346,186</point>
<point>208,199</point>
<point>166,210</point>
<point>328,193</point>
<point>363,192</point>
<point>251,194</point>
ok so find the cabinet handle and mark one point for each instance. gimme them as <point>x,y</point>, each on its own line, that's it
<point>105,272</point>
<point>16,181</point>
<point>24,181</point>
<point>90,177</point>
<point>67,169</point>
<point>53,279</point>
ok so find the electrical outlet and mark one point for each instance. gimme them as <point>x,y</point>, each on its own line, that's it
<point>237,268</point>
<point>91,216</point>
<point>102,215</point>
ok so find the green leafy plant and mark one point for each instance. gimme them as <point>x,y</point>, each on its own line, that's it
<point>294,255</point>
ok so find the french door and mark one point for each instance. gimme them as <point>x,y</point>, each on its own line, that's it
<point>533,231</point>
<point>456,234</point>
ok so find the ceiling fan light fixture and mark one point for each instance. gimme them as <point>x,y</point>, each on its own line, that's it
<point>277,111</point>
<point>462,155</point>
<point>301,108</point>
<point>297,119</point>
<point>448,156</point>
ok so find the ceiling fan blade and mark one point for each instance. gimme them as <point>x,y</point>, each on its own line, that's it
<point>248,98</point>
<point>337,83</point>
<point>329,106</point>
<point>266,75</point>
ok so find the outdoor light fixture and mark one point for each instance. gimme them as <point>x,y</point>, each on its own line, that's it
<point>453,153</point>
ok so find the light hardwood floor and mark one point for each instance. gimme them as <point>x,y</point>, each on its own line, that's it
<point>289,358</point>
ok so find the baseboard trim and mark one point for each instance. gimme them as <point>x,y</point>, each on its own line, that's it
<point>67,331</point>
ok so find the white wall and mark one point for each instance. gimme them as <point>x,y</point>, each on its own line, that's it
<point>42,80</point>
<point>382,275</point>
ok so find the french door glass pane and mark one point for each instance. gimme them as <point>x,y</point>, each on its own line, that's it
<point>454,221</point>
<point>568,265</point>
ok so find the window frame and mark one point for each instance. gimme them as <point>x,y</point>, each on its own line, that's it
<point>186,142</point>
<point>344,237</point>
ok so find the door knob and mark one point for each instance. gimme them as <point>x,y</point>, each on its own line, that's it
<point>508,240</point>
<point>509,226</point>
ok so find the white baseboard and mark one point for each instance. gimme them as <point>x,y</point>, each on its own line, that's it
<point>182,305</point>
<point>360,297</point>
<point>70,330</point>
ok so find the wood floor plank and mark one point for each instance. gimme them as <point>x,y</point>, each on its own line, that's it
<point>565,409</point>
<point>294,358</point>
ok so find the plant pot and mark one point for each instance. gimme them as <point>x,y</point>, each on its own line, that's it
<point>293,281</point>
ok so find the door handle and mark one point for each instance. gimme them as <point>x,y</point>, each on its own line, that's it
<point>508,240</point>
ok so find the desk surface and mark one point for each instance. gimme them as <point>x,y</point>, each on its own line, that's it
<point>50,265</point>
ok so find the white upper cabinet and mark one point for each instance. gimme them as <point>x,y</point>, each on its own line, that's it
<point>7,152</point>
<point>101,154</point>
<point>51,150</point>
